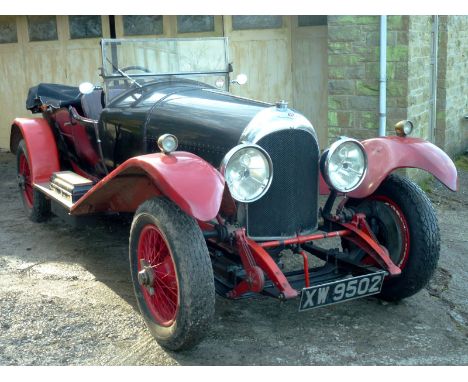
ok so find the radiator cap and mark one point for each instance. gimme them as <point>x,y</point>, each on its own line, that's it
<point>282,105</point>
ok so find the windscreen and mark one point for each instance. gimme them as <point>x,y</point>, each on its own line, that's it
<point>144,60</point>
<point>165,56</point>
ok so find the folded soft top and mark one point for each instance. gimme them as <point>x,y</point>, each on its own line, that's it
<point>52,94</point>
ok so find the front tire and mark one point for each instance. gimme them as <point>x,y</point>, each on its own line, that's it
<point>36,205</point>
<point>172,274</point>
<point>404,221</point>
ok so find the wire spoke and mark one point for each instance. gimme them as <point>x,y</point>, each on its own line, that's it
<point>153,249</point>
<point>163,285</point>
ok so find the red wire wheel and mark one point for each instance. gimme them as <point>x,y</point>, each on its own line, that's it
<point>400,236</point>
<point>25,174</point>
<point>172,274</point>
<point>36,205</point>
<point>404,221</point>
<point>157,276</point>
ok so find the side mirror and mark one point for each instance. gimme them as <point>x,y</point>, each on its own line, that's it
<point>86,88</point>
<point>241,79</point>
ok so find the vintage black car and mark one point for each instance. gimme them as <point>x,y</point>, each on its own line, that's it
<point>225,190</point>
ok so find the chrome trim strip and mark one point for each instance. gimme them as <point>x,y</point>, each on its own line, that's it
<point>187,74</point>
<point>274,119</point>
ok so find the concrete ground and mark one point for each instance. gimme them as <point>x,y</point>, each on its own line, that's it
<point>66,299</point>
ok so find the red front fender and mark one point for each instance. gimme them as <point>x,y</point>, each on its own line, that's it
<point>390,153</point>
<point>190,182</point>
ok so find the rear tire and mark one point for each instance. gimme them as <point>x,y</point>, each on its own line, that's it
<point>404,221</point>
<point>36,205</point>
<point>172,274</point>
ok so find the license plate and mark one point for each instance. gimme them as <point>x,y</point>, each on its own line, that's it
<point>341,290</point>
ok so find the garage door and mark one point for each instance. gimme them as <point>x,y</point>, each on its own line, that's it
<point>259,46</point>
<point>284,57</point>
<point>310,71</point>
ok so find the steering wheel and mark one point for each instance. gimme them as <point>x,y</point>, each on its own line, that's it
<point>133,67</point>
<point>136,67</point>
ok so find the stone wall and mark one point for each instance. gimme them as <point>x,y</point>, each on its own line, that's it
<point>353,60</point>
<point>353,47</point>
<point>452,100</point>
<point>420,73</point>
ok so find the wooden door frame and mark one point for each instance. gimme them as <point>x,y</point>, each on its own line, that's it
<point>322,131</point>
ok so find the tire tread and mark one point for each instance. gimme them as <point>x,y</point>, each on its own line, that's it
<point>40,210</point>
<point>424,236</point>
<point>424,239</point>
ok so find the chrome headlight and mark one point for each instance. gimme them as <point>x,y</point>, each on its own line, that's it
<point>344,165</point>
<point>248,171</point>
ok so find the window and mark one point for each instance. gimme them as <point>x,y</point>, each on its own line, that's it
<point>256,22</point>
<point>42,28</point>
<point>311,21</point>
<point>142,25</point>
<point>193,24</point>
<point>8,32</point>
<point>85,26</point>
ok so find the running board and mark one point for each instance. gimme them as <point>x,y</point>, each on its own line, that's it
<point>65,187</point>
<point>52,194</point>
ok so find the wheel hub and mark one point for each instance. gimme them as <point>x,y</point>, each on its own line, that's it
<point>146,277</point>
<point>21,182</point>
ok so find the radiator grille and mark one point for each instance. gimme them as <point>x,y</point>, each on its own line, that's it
<point>290,205</point>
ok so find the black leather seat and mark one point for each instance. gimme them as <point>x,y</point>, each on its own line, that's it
<point>91,104</point>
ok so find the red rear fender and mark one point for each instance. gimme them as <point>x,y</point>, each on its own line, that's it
<point>190,182</point>
<point>41,146</point>
<point>390,153</point>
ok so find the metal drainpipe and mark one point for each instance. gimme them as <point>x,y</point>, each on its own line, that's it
<point>383,77</point>
<point>434,59</point>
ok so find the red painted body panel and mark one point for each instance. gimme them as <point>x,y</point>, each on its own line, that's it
<point>76,136</point>
<point>190,182</point>
<point>323,186</point>
<point>390,153</point>
<point>41,146</point>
